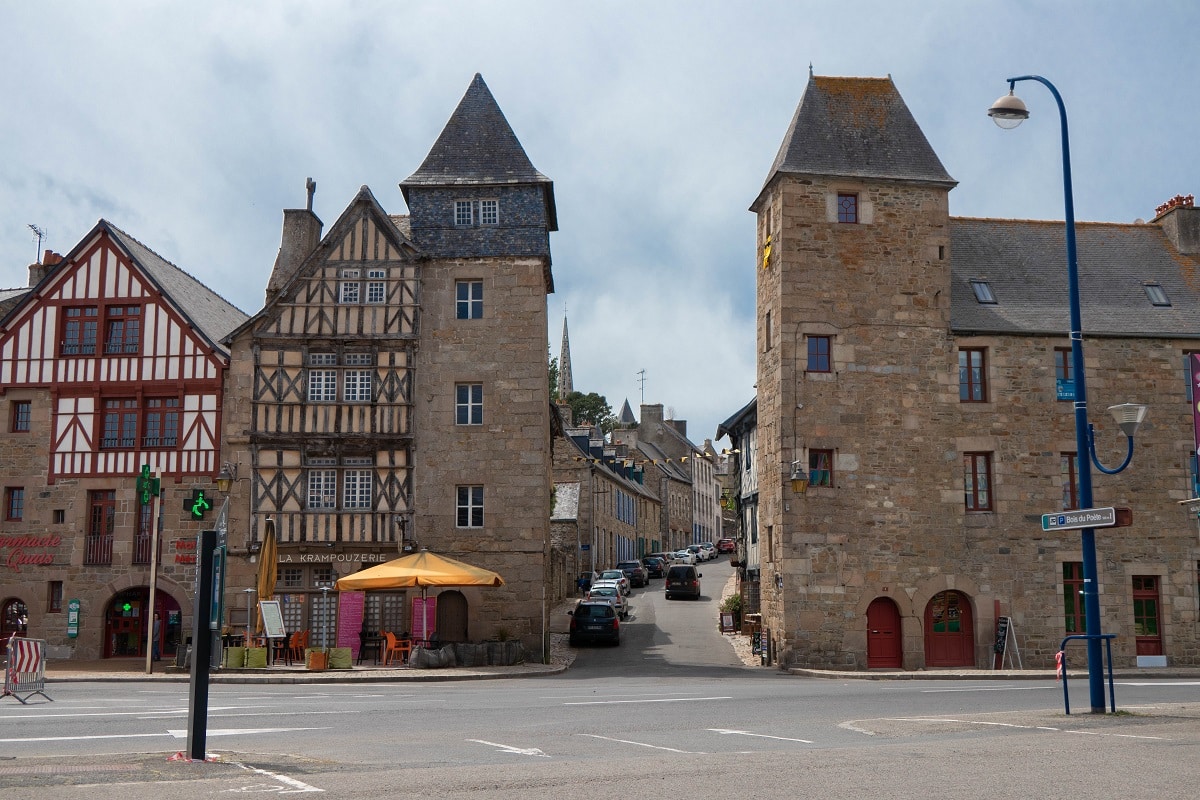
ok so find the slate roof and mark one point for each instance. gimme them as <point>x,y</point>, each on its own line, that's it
<point>856,128</point>
<point>626,416</point>
<point>744,417</point>
<point>477,146</point>
<point>1025,263</point>
<point>211,315</point>
<point>664,462</point>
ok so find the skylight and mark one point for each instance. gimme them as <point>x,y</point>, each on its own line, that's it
<point>983,291</point>
<point>1156,294</point>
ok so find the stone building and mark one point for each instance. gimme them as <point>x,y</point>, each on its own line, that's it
<point>914,366</point>
<point>392,394</point>
<point>111,364</point>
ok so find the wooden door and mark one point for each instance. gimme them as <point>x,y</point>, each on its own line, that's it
<point>1147,626</point>
<point>452,617</point>
<point>949,634</point>
<point>884,647</point>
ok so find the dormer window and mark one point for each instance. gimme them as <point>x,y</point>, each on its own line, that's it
<point>983,291</point>
<point>1156,294</point>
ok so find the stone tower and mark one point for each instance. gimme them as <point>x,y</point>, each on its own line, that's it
<point>853,237</point>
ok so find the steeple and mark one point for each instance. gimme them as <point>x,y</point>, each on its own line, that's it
<point>565,384</point>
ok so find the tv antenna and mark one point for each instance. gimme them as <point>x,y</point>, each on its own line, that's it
<point>641,373</point>
<point>41,234</point>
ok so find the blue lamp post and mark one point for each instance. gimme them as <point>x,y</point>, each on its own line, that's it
<point>1009,112</point>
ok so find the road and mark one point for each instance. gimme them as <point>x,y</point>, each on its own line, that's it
<point>669,712</point>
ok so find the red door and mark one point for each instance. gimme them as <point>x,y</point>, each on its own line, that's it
<point>949,637</point>
<point>883,634</point>
<point>1146,628</point>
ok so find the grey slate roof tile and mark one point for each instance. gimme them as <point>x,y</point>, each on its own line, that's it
<point>856,128</point>
<point>1025,263</point>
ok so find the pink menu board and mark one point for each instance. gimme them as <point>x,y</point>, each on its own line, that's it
<point>350,620</point>
<point>424,618</point>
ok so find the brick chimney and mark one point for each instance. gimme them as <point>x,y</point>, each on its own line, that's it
<point>37,272</point>
<point>1180,221</point>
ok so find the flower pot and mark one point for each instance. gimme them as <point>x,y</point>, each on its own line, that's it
<point>234,658</point>
<point>341,658</point>
<point>316,659</point>
<point>256,658</point>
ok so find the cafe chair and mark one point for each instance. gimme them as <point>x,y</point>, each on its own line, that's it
<point>398,648</point>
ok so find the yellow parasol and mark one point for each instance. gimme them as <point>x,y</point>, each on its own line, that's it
<point>420,569</point>
<point>267,566</point>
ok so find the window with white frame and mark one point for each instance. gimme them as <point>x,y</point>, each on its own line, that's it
<point>462,213</point>
<point>470,507</point>
<point>322,383</point>
<point>322,484</point>
<point>356,484</point>
<point>468,404</point>
<point>348,288</point>
<point>376,285</point>
<point>489,212</point>
<point>468,299</point>
<point>358,384</point>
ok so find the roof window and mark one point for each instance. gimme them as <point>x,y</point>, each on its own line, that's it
<point>983,291</point>
<point>1156,294</point>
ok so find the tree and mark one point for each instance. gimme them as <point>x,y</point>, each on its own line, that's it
<point>591,409</point>
<point>554,380</point>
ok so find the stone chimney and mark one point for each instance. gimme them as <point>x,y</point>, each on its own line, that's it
<point>651,414</point>
<point>1180,221</point>
<point>301,235</point>
<point>50,260</point>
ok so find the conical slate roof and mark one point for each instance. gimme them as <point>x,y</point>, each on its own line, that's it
<point>477,146</point>
<point>856,128</point>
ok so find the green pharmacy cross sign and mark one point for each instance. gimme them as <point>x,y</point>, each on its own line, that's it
<point>147,487</point>
<point>197,505</point>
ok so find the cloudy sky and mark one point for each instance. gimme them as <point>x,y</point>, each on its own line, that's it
<point>192,126</point>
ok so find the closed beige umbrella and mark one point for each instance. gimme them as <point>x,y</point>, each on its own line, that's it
<point>267,558</point>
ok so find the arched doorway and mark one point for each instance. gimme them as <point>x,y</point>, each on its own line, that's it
<point>884,647</point>
<point>125,621</point>
<point>452,617</point>
<point>949,634</point>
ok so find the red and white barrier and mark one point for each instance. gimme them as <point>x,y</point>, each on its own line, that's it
<point>25,669</point>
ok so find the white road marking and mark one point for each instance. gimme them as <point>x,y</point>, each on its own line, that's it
<point>1158,683</point>
<point>85,738</point>
<point>759,735</point>
<point>850,726</point>
<point>643,744</point>
<point>1022,727</point>
<point>992,689</point>
<point>296,786</point>
<point>240,731</point>
<point>517,751</point>
<point>660,700</point>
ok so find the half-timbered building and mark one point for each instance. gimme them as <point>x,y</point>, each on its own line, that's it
<point>392,394</point>
<point>111,369</point>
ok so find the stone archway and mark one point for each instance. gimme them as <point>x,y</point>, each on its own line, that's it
<point>126,622</point>
<point>452,617</point>
<point>949,630</point>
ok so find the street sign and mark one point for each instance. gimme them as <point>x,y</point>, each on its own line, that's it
<point>1082,518</point>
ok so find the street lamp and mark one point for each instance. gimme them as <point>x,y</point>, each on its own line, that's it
<point>1009,112</point>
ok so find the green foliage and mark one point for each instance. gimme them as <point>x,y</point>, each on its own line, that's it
<point>591,409</point>
<point>554,380</point>
<point>732,604</point>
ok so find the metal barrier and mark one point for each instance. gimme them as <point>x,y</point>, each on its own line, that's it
<point>1062,665</point>
<point>25,669</point>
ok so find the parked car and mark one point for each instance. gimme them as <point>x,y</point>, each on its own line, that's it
<point>655,566</point>
<point>594,621</point>
<point>698,552</point>
<point>683,580</point>
<point>618,576</point>
<point>585,580</point>
<point>726,546</point>
<point>709,549</point>
<point>611,595</point>
<point>683,557</point>
<point>621,588</point>
<point>638,577</point>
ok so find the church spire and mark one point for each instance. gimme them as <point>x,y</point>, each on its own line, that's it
<point>565,383</point>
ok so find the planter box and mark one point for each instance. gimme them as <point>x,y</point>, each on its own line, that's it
<point>233,657</point>
<point>256,658</point>
<point>316,659</point>
<point>341,658</point>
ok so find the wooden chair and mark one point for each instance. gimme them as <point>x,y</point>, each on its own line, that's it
<point>399,648</point>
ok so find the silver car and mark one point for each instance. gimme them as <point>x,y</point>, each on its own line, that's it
<point>611,595</point>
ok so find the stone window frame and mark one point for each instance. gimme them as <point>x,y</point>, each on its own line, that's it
<point>820,467</point>
<point>847,208</point>
<point>819,361</point>
<point>978,495</point>
<point>468,404</point>
<point>468,299</point>
<point>972,377</point>
<point>469,506</point>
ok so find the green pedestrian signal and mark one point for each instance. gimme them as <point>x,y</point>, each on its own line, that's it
<point>197,505</point>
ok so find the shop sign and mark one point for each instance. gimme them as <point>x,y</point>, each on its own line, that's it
<point>73,618</point>
<point>326,558</point>
<point>185,551</point>
<point>22,550</point>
